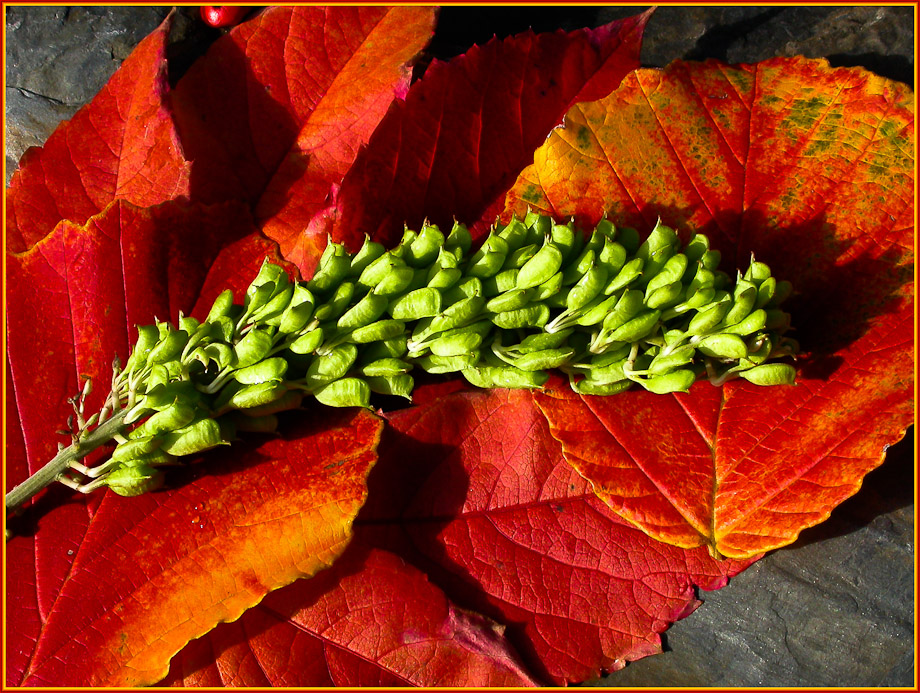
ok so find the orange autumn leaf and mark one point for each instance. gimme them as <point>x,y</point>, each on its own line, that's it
<point>811,170</point>
<point>122,584</point>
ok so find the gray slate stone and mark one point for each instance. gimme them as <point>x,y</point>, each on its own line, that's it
<point>58,58</point>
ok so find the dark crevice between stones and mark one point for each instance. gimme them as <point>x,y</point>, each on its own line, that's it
<point>716,42</point>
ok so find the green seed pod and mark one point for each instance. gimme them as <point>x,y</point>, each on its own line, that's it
<point>612,372</point>
<point>396,281</point>
<point>458,239</point>
<point>147,337</point>
<point>292,399</point>
<point>770,374</point>
<point>455,344</point>
<point>711,259</point>
<point>551,287</point>
<point>586,386</point>
<point>333,308</point>
<point>334,266</point>
<point>695,248</point>
<point>658,248</point>
<point>425,247</point>
<point>252,348</point>
<point>532,315</point>
<point>396,347</point>
<point>515,234</point>
<point>269,272</point>
<point>666,296</point>
<point>221,306</point>
<point>219,353</point>
<point>612,256</point>
<point>171,418</point>
<point>542,340</point>
<point>157,458</point>
<point>381,329</point>
<point>421,303</point>
<point>446,364</point>
<point>134,480</point>
<point>460,313</point>
<point>345,392</point>
<point>630,272</point>
<point>466,287</point>
<point>168,348</point>
<point>664,362</point>
<point>260,297</point>
<point>298,313</point>
<point>332,365</point>
<point>745,295</point>
<point>708,318</point>
<point>765,292</point>
<point>544,359</point>
<point>638,328</point>
<point>377,269</point>
<point>675,381</point>
<point>672,271</point>
<point>368,252</point>
<point>757,272</point>
<point>308,342</point>
<point>385,366</point>
<point>199,436</point>
<point>262,372</point>
<point>723,346</point>
<point>505,280</point>
<point>506,377</point>
<point>137,448</point>
<point>754,322</point>
<point>538,226</point>
<point>510,300</point>
<point>256,395</point>
<point>222,329</point>
<point>488,260</point>
<point>626,308</point>
<point>276,305</point>
<point>188,324</point>
<point>596,311</point>
<point>543,265</point>
<point>162,395</point>
<point>518,258</point>
<point>399,385</point>
<point>566,239</point>
<point>702,277</point>
<point>364,312</point>
<point>445,278</point>
<point>246,422</point>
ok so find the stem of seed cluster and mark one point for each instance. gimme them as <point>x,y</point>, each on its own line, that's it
<point>48,474</point>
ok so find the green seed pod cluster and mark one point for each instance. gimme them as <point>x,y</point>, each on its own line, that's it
<point>604,308</point>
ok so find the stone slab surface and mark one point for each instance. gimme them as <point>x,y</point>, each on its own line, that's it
<point>837,607</point>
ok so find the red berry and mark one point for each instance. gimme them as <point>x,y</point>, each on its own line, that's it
<point>223,15</point>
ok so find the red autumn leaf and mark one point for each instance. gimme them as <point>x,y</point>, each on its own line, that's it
<point>469,126</point>
<point>276,111</point>
<point>473,488</point>
<point>810,169</point>
<point>123,145</point>
<point>189,557</point>
<point>353,626</point>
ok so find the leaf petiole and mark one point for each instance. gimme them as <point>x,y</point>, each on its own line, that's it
<point>64,460</point>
